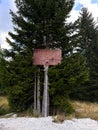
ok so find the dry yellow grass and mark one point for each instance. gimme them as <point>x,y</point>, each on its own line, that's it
<point>82,109</point>
<point>4,102</point>
<point>86,109</point>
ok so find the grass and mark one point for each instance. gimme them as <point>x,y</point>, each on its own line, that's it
<point>85,109</point>
<point>3,101</point>
<point>4,105</point>
<point>82,109</point>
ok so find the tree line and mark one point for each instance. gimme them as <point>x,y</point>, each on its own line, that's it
<point>43,24</point>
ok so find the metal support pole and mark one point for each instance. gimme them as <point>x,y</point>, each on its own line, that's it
<point>35,100</point>
<point>45,108</point>
<point>38,92</point>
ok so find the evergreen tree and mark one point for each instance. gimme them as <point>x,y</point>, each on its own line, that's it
<point>68,78</point>
<point>0,70</point>
<point>3,73</point>
<point>37,24</point>
<point>45,21</point>
<point>87,40</point>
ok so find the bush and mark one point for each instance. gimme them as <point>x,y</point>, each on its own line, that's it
<point>63,105</point>
<point>3,110</point>
<point>20,98</point>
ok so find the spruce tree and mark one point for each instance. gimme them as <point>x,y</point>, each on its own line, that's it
<point>34,22</point>
<point>68,78</point>
<point>3,73</point>
<point>87,40</point>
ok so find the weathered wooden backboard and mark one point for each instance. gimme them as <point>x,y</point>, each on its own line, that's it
<point>47,56</point>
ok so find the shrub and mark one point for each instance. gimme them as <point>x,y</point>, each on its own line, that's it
<point>63,106</point>
<point>20,98</point>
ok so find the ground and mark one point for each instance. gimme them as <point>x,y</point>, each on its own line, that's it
<point>27,123</point>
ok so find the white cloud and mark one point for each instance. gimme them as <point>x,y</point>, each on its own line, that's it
<point>84,2</point>
<point>73,15</point>
<point>92,8</point>
<point>3,42</point>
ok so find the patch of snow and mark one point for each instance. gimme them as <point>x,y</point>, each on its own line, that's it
<point>45,123</point>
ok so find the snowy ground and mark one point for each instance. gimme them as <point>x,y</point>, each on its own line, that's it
<point>46,124</point>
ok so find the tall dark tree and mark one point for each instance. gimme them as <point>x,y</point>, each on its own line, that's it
<point>3,73</point>
<point>0,70</point>
<point>87,40</point>
<point>39,21</point>
<point>37,24</point>
<point>68,78</point>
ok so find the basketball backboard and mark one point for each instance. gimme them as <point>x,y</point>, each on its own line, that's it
<point>47,56</point>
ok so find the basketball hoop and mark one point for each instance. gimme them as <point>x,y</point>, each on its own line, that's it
<point>47,62</point>
<point>46,57</point>
<point>41,56</point>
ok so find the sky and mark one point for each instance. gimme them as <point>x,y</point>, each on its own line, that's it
<point>6,23</point>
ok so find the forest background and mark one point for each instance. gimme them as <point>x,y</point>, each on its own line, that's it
<point>75,78</point>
